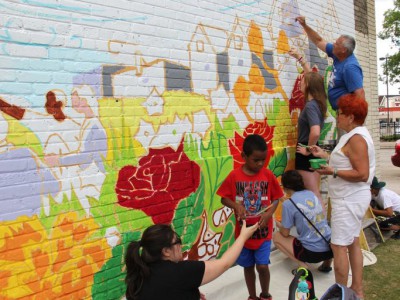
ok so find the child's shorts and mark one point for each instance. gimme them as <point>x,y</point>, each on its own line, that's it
<point>260,256</point>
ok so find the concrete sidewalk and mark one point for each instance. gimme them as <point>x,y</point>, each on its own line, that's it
<point>231,284</point>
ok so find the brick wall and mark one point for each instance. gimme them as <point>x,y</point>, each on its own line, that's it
<point>123,114</point>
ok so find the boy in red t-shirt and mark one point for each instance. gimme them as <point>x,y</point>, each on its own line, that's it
<point>252,191</point>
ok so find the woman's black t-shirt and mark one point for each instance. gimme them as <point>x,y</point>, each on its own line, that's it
<point>173,281</point>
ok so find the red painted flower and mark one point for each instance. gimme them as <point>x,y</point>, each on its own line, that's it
<point>156,185</point>
<point>297,97</point>
<point>260,128</point>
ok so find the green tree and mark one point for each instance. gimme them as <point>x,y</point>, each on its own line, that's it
<point>391,30</point>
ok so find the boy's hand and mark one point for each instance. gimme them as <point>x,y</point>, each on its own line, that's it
<point>240,212</point>
<point>265,218</point>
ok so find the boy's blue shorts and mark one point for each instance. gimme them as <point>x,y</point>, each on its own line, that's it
<point>249,258</point>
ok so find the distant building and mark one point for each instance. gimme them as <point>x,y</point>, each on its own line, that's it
<point>393,106</point>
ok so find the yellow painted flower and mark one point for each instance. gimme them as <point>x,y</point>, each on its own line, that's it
<point>37,265</point>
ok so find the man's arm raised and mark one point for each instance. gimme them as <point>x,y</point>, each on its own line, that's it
<point>312,34</point>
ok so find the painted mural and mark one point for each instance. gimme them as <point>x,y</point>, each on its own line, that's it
<point>111,121</point>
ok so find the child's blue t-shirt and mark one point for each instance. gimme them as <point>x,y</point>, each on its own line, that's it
<point>311,207</point>
<point>346,77</point>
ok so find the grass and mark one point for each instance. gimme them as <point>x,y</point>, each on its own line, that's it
<point>382,280</point>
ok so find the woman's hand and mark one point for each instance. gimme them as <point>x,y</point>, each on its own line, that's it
<point>293,53</point>
<point>325,170</point>
<point>302,150</point>
<point>318,152</point>
<point>247,232</point>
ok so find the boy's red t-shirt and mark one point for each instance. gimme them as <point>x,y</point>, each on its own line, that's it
<point>254,193</point>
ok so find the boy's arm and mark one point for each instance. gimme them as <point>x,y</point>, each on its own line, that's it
<point>268,214</point>
<point>239,210</point>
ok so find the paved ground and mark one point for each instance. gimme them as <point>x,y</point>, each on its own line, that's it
<point>388,173</point>
<point>231,284</point>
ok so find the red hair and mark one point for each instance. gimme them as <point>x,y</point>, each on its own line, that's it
<point>350,104</point>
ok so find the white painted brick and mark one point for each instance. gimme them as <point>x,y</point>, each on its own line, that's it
<point>73,38</point>
<point>8,75</point>
<point>34,76</point>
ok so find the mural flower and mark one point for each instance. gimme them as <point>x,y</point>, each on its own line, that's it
<point>37,265</point>
<point>155,186</point>
<point>297,98</point>
<point>260,128</point>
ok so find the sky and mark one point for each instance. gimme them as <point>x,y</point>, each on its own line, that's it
<point>384,47</point>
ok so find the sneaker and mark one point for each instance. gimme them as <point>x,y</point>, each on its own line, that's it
<point>269,297</point>
<point>396,235</point>
<point>324,269</point>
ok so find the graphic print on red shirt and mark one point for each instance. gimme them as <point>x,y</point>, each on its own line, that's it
<point>254,193</point>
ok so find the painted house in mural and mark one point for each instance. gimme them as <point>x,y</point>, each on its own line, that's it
<point>238,52</point>
<point>208,55</point>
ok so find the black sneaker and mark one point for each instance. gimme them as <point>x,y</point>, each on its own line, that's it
<point>396,235</point>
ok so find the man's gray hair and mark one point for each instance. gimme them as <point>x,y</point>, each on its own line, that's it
<point>349,43</point>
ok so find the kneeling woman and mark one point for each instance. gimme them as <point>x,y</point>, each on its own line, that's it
<point>311,245</point>
<point>155,269</point>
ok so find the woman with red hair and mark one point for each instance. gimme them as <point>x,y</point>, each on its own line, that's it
<point>352,166</point>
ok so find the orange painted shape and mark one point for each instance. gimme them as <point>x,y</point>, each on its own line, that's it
<point>242,92</point>
<point>255,39</point>
<point>283,43</point>
<point>4,275</point>
<point>256,80</point>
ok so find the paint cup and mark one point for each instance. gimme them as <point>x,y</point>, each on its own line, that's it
<point>317,162</point>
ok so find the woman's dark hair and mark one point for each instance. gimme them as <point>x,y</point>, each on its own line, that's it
<point>254,142</point>
<point>314,86</point>
<point>141,253</point>
<point>292,180</point>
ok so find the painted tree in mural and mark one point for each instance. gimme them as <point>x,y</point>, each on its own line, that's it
<point>392,32</point>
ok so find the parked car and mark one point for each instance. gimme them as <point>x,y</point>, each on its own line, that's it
<point>396,156</point>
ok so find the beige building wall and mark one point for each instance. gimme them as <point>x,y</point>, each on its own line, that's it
<point>365,26</point>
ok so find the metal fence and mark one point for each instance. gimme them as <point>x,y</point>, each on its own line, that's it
<point>391,130</point>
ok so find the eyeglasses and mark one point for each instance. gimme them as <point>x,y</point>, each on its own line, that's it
<point>178,241</point>
<point>340,113</point>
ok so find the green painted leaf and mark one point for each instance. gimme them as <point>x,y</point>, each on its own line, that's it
<point>279,162</point>
<point>327,127</point>
<point>112,275</point>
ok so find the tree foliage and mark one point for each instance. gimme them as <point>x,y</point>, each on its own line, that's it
<point>391,30</point>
